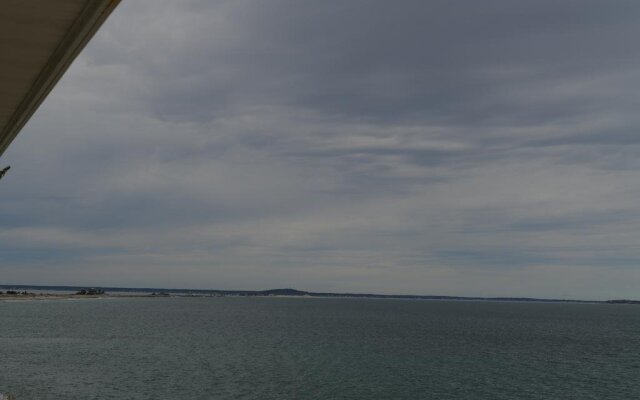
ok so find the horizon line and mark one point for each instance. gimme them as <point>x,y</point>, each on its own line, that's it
<point>312,293</point>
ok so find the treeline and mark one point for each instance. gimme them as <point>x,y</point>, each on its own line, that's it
<point>16,293</point>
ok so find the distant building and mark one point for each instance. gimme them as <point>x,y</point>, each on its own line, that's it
<point>89,292</point>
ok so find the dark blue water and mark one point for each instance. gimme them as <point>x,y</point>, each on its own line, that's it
<point>280,348</point>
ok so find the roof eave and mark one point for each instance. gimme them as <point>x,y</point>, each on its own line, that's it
<point>93,14</point>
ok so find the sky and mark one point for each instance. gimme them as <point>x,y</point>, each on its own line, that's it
<point>439,147</point>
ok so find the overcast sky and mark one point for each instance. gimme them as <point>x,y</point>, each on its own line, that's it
<point>443,147</point>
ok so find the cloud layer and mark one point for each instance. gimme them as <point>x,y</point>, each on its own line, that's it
<point>440,147</point>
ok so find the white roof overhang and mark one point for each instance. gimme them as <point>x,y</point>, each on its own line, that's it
<point>39,39</point>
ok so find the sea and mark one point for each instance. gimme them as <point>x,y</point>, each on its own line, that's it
<point>311,348</point>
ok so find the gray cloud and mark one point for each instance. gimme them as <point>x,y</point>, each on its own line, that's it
<point>441,147</point>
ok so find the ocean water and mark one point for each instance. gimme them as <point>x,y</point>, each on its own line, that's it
<point>289,348</point>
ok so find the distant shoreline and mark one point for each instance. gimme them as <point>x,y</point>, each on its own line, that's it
<point>48,293</point>
<point>59,296</point>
